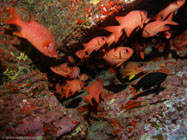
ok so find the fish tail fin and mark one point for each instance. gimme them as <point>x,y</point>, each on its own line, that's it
<point>66,89</point>
<point>136,87</point>
<point>15,19</point>
<point>169,20</point>
<point>80,54</point>
<point>117,30</point>
<point>89,99</point>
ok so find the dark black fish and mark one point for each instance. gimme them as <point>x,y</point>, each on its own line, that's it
<point>73,103</point>
<point>150,80</point>
<point>149,91</point>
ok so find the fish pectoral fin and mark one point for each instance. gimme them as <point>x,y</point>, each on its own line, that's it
<point>119,64</point>
<point>97,98</point>
<point>131,77</point>
<point>128,31</point>
<point>18,33</point>
<point>142,55</point>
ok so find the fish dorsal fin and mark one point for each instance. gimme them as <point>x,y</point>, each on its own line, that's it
<point>45,43</point>
<point>32,18</point>
<point>169,20</point>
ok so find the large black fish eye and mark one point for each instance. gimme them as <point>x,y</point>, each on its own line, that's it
<point>103,38</point>
<point>127,50</point>
<point>140,65</point>
<point>145,12</point>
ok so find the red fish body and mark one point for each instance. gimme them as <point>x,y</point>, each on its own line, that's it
<point>93,45</point>
<point>169,9</point>
<point>111,38</point>
<point>179,41</point>
<point>66,71</point>
<point>153,28</point>
<point>72,86</point>
<point>117,56</point>
<point>131,21</point>
<point>94,90</point>
<point>39,36</point>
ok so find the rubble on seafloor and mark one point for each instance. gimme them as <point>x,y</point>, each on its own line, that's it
<point>30,107</point>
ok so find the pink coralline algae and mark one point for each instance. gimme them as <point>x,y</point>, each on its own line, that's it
<point>28,125</point>
<point>28,104</point>
<point>149,115</point>
<point>65,125</point>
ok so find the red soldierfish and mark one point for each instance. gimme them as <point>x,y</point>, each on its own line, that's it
<point>72,86</point>
<point>95,89</point>
<point>153,28</point>
<point>169,9</point>
<point>94,44</point>
<point>66,71</point>
<point>39,36</point>
<point>132,20</point>
<point>117,56</point>
<point>179,41</point>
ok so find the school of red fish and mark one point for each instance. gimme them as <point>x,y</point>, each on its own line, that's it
<point>43,40</point>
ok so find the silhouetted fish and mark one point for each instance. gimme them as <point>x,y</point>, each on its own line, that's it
<point>151,79</point>
<point>149,91</point>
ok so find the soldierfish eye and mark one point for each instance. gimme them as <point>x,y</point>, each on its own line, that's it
<point>140,65</point>
<point>145,12</point>
<point>126,50</point>
<point>103,38</point>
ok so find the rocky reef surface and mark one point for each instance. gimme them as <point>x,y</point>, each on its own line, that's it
<point>29,104</point>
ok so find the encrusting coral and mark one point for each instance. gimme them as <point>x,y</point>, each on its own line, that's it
<point>29,79</point>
